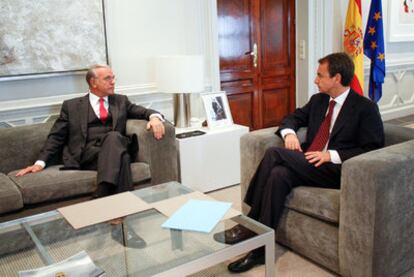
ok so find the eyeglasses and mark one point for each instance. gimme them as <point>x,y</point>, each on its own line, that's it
<point>109,78</point>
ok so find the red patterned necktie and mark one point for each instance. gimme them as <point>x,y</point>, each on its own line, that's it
<point>321,138</point>
<point>102,110</point>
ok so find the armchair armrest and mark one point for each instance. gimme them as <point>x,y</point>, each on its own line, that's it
<point>161,155</point>
<point>252,149</point>
<point>376,212</point>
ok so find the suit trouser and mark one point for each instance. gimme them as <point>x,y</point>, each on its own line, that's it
<point>278,173</point>
<point>112,162</point>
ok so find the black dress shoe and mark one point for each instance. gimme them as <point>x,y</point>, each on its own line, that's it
<point>128,238</point>
<point>253,258</point>
<point>234,235</point>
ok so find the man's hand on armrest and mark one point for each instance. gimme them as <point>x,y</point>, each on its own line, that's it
<point>292,142</point>
<point>157,127</point>
<point>30,169</point>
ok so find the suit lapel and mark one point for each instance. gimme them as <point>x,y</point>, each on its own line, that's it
<point>114,111</point>
<point>345,114</point>
<point>83,114</point>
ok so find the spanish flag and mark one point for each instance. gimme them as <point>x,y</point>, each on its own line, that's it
<point>353,43</point>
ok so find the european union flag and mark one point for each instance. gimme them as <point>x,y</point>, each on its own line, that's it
<point>374,50</point>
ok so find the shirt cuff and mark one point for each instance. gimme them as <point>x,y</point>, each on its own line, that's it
<point>159,116</point>
<point>335,157</point>
<point>41,163</point>
<point>286,131</point>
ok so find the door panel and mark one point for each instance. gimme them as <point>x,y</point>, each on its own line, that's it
<point>241,106</point>
<point>260,88</point>
<point>274,33</point>
<point>236,35</point>
<point>237,32</point>
<point>275,106</point>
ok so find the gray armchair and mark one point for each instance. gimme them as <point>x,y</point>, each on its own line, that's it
<point>364,229</point>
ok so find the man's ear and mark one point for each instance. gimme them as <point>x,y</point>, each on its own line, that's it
<point>93,82</point>
<point>338,78</point>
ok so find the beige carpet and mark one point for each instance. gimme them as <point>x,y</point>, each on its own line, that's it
<point>287,263</point>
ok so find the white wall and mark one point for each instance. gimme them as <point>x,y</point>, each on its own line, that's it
<point>137,31</point>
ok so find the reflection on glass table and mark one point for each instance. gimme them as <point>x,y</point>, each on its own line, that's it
<point>47,238</point>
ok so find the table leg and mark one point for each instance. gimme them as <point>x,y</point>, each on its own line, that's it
<point>270,256</point>
<point>176,239</point>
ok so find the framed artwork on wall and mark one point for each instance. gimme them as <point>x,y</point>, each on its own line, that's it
<point>401,20</point>
<point>50,37</point>
<point>217,110</point>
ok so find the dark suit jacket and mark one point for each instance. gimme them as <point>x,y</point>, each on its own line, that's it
<point>70,129</point>
<point>358,128</point>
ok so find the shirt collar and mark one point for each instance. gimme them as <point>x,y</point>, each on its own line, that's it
<point>95,99</point>
<point>341,98</point>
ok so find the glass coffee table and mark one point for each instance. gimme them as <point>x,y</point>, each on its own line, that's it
<point>47,238</point>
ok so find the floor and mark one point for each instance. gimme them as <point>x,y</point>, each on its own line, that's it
<point>287,263</point>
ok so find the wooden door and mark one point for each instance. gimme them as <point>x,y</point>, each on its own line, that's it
<point>257,59</point>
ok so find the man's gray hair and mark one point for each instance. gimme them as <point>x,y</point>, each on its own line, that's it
<point>92,72</point>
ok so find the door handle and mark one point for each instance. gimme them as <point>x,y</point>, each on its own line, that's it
<point>254,54</point>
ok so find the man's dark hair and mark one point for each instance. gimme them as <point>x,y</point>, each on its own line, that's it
<point>92,73</point>
<point>340,63</point>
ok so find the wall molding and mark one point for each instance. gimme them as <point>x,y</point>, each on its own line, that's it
<point>37,110</point>
<point>393,65</point>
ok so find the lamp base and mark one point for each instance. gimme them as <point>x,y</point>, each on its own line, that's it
<point>182,110</point>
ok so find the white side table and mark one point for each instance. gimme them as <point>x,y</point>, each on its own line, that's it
<point>210,161</point>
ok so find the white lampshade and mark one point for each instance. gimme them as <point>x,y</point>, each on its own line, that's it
<point>180,74</point>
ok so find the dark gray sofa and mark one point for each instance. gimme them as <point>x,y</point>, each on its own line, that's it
<point>52,188</point>
<point>364,229</point>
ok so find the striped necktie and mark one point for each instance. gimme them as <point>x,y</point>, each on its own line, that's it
<point>322,136</point>
<point>103,113</point>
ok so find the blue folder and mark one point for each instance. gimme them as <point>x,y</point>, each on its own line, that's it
<point>197,215</point>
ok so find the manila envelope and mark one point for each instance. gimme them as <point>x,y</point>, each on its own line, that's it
<point>103,209</point>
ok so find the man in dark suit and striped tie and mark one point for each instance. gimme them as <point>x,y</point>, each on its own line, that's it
<point>340,125</point>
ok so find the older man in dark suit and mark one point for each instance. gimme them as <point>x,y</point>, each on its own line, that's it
<point>91,130</point>
<point>340,125</point>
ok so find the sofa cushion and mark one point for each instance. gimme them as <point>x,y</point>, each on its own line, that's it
<point>10,196</point>
<point>317,202</point>
<point>52,183</point>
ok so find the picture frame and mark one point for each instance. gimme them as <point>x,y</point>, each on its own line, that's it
<point>54,44</point>
<point>217,110</point>
<point>401,20</point>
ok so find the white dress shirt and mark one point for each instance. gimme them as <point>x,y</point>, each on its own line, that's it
<point>94,100</point>
<point>338,106</point>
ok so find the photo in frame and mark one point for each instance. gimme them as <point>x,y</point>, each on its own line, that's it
<point>401,20</point>
<point>217,110</point>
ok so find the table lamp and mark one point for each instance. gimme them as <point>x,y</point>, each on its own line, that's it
<point>180,75</point>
